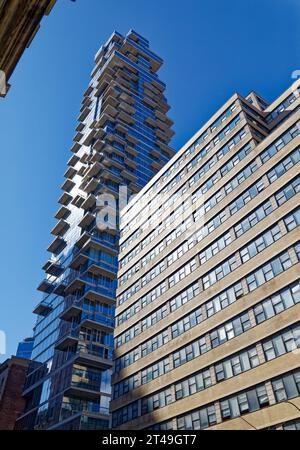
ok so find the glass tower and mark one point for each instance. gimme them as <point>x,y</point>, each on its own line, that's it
<point>25,348</point>
<point>121,139</point>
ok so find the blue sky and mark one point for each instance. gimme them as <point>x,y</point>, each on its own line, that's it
<point>210,48</point>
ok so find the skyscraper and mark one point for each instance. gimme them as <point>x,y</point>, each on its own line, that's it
<point>208,301</point>
<point>121,139</point>
<point>25,348</point>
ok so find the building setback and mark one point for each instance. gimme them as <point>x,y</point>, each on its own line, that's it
<point>19,23</point>
<point>207,318</point>
<point>12,379</point>
<point>121,139</point>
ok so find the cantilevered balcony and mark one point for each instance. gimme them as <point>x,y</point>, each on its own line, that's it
<point>58,242</point>
<point>166,148</point>
<point>162,136</point>
<point>100,294</point>
<point>127,98</point>
<point>78,200</point>
<point>101,268</point>
<point>97,322</point>
<point>127,118</point>
<point>67,185</point>
<point>60,228</point>
<point>86,102</point>
<point>127,108</point>
<point>84,113</point>
<point>68,336</point>
<point>89,137</point>
<point>72,307</point>
<point>82,390</point>
<point>46,285</point>
<point>103,119</point>
<point>91,185</point>
<point>98,145</point>
<point>149,102</point>
<point>43,308</point>
<point>161,116</point>
<point>88,240</point>
<point>150,121</point>
<point>88,91</point>
<point>131,163</point>
<point>87,219</point>
<point>77,138</point>
<point>93,170</point>
<point>78,259</point>
<point>155,153</point>
<point>87,355</point>
<point>130,149</point>
<point>73,160</point>
<point>65,199</point>
<point>70,172</point>
<point>62,213</point>
<point>156,165</point>
<point>75,413</point>
<point>109,109</point>
<point>89,202</point>
<point>54,268</point>
<point>126,173</point>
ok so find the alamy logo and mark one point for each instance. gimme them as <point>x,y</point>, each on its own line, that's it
<point>2,343</point>
<point>2,83</point>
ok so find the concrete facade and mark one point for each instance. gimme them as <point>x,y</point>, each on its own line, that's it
<point>207,319</point>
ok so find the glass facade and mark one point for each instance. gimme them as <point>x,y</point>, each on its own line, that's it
<point>121,139</point>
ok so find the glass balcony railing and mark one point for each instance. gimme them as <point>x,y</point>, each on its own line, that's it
<point>97,318</point>
<point>95,350</point>
<point>69,409</point>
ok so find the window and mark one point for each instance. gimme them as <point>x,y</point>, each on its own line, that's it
<point>239,363</point>
<point>252,219</point>
<point>288,191</point>
<point>191,385</point>
<point>156,370</point>
<point>198,419</point>
<point>277,303</point>
<point>268,271</point>
<point>189,352</point>
<point>259,244</point>
<point>247,401</point>
<point>287,386</point>
<point>156,401</point>
<point>186,323</point>
<point>283,342</point>
<point>219,272</point>
<point>224,299</point>
<point>182,273</point>
<point>123,415</point>
<point>231,329</point>
<point>184,297</point>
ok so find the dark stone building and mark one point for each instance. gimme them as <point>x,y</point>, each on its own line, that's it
<point>12,378</point>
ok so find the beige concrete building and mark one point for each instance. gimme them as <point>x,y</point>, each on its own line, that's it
<point>208,300</point>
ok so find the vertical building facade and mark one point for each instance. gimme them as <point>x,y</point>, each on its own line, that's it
<point>121,139</point>
<point>208,299</point>
<point>19,23</point>
<point>12,379</point>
